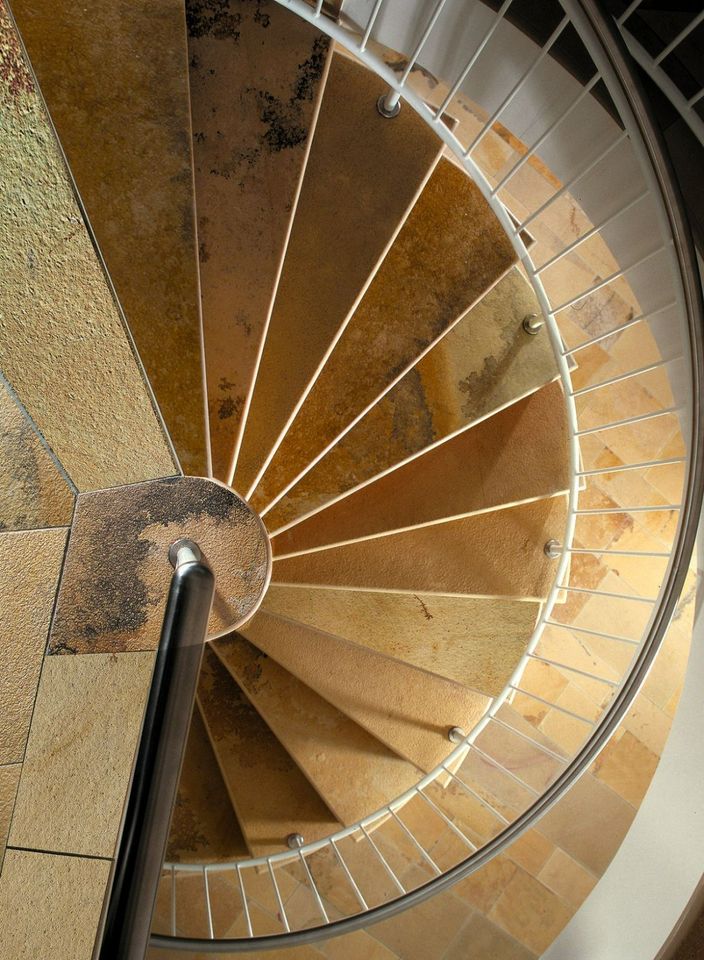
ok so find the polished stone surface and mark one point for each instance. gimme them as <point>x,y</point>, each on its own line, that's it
<point>249,152</point>
<point>484,363</point>
<point>116,84</point>
<point>347,215</point>
<point>117,572</point>
<point>33,492</point>
<point>30,565</point>
<point>63,345</point>
<point>449,253</point>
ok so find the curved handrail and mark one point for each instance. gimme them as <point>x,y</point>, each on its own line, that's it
<point>607,49</point>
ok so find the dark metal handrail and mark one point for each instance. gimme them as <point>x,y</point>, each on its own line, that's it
<point>167,720</point>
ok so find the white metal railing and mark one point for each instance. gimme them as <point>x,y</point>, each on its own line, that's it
<point>684,102</point>
<point>455,778</point>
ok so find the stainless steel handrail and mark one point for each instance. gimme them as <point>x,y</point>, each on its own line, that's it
<point>162,745</point>
<point>611,58</point>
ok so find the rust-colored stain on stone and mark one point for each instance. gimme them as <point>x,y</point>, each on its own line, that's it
<point>255,75</point>
<point>410,304</point>
<point>485,362</point>
<point>117,573</point>
<point>63,346</point>
<point>33,493</point>
<point>116,84</point>
<point>347,214</point>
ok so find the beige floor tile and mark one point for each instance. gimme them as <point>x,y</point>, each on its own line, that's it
<point>9,779</point>
<point>116,84</point>
<point>64,349</point>
<point>406,708</point>
<point>61,901</point>
<point>481,939</point>
<point>81,747</point>
<point>203,825</point>
<point>496,554</point>
<point>30,564</point>
<point>122,536</point>
<point>518,755</point>
<point>476,642</point>
<point>531,852</point>
<point>33,492</point>
<point>356,946</point>
<point>270,795</point>
<point>390,162</point>
<point>483,888</point>
<point>409,305</point>
<point>426,931</point>
<point>453,386</point>
<point>648,723</point>
<point>530,912</point>
<point>246,193</point>
<point>519,454</point>
<point>570,881</point>
<point>589,823</point>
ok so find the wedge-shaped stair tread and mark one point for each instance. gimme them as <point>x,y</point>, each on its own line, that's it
<point>204,828</point>
<point>519,454</point>
<point>256,72</point>
<point>63,346</point>
<point>362,175</point>
<point>116,84</point>
<point>33,492</point>
<point>450,251</point>
<point>406,708</point>
<point>269,793</point>
<point>353,772</point>
<point>496,554</point>
<point>484,363</point>
<point>475,642</point>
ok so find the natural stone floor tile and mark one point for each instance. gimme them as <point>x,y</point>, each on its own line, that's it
<point>356,946</point>
<point>116,84</point>
<point>483,364</point>
<point>426,931</point>
<point>9,779</point>
<point>627,766</point>
<point>482,888</point>
<point>61,900</point>
<point>476,642</point>
<point>409,305</point>
<point>33,492</point>
<point>30,563</point>
<point>386,165</point>
<point>249,152</point>
<point>63,345</point>
<point>121,537</point>
<point>530,912</point>
<point>481,939</point>
<point>84,735</point>
<point>567,878</point>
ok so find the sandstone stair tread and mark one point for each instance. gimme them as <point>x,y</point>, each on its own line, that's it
<point>269,794</point>
<point>331,749</point>
<point>409,305</point>
<point>495,554</point>
<point>204,828</point>
<point>476,642</point>
<point>517,455</point>
<point>116,84</point>
<point>249,152</point>
<point>408,709</point>
<point>486,362</point>
<point>362,176</point>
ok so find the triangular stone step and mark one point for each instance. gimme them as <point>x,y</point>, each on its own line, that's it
<point>475,642</point>
<point>406,708</point>
<point>115,78</point>
<point>450,251</point>
<point>363,174</point>
<point>517,455</point>
<point>270,795</point>
<point>486,362</point>
<point>204,828</point>
<point>256,73</point>
<point>353,772</point>
<point>64,348</point>
<point>496,554</point>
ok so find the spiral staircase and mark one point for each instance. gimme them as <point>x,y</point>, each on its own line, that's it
<point>390,307</point>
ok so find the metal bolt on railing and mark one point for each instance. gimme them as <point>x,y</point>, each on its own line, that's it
<point>294,841</point>
<point>456,734</point>
<point>533,324</point>
<point>553,549</point>
<point>389,104</point>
